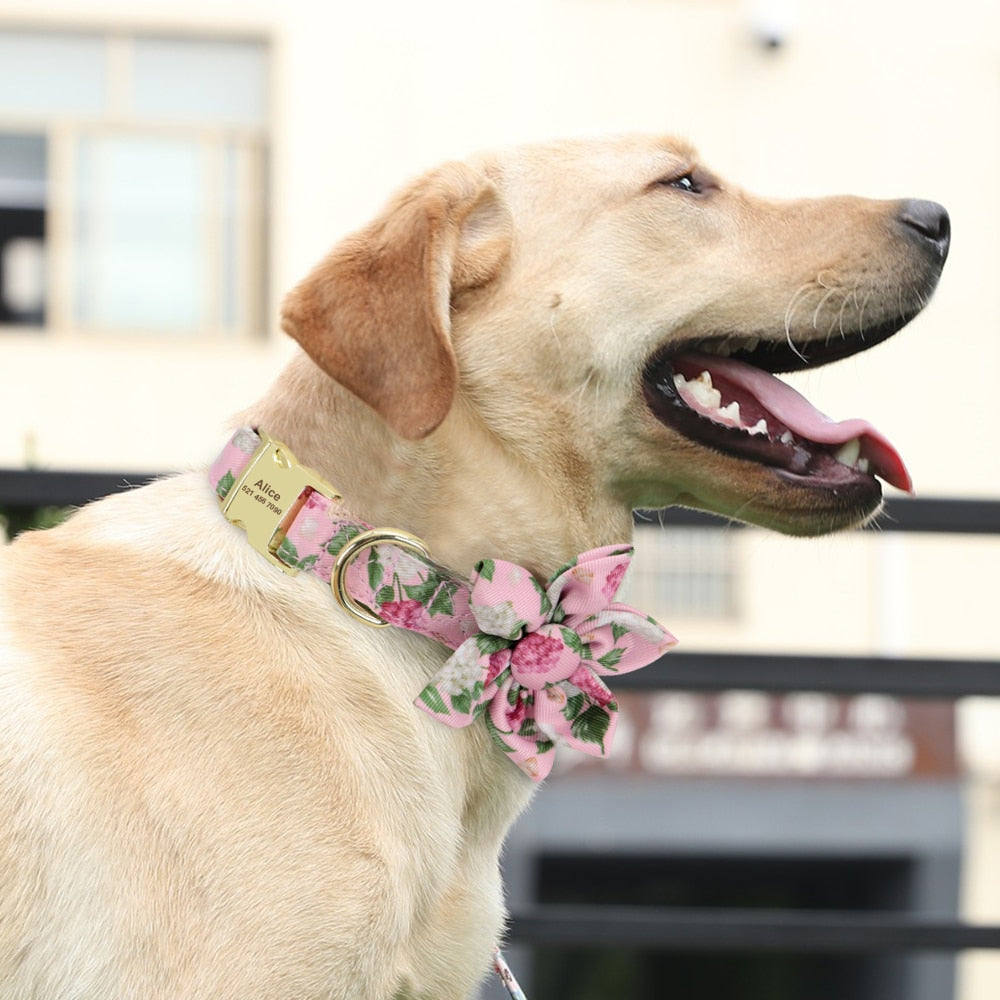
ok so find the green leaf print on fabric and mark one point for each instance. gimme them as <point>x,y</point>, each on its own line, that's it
<point>346,534</point>
<point>573,641</point>
<point>611,658</point>
<point>592,726</point>
<point>431,697</point>
<point>225,485</point>
<point>490,644</point>
<point>573,706</point>
<point>423,591</point>
<point>375,572</point>
<point>443,602</point>
<point>496,734</point>
<point>462,702</point>
<point>289,555</point>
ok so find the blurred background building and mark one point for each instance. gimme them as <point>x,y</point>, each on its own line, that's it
<point>168,170</point>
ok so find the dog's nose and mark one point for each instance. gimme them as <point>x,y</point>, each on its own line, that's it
<point>930,221</point>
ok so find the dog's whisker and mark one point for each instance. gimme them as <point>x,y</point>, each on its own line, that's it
<point>861,313</point>
<point>793,303</point>
<point>840,317</point>
<point>739,514</point>
<point>836,327</point>
<point>819,306</point>
<point>852,294</point>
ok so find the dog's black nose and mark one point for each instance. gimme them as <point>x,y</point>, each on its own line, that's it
<point>930,221</point>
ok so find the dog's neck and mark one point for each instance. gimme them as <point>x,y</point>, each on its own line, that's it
<point>461,490</point>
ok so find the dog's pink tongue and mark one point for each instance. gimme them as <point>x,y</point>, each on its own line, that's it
<point>801,417</point>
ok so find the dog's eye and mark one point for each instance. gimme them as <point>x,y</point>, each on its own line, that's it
<point>686,182</point>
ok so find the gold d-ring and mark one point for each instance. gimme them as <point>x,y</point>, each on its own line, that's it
<point>347,555</point>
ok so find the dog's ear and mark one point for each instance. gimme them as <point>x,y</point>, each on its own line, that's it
<point>375,314</point>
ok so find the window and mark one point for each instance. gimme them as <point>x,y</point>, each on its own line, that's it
<point>683,571</point>
<point>132,183</point>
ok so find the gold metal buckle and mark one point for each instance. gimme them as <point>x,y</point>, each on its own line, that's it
<point>268,494</point>
<point>347,555</point>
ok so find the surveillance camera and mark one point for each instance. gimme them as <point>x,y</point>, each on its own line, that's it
<point>770,22</point>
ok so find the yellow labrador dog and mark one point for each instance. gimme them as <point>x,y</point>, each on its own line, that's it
<point>213,781</point>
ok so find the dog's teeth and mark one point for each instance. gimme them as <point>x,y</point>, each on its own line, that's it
<point>849,452</point>
<point>752,344</point>
<point>787,438</point>
<point>730,414</point>
<point>703,392</point>
<point>862,465</point>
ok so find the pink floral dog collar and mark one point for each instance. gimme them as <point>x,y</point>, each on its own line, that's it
<point>533,670</point>
<point>528,657</point>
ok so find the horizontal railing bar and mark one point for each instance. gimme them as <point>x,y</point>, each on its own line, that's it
<point>38,488</point>
<point>949,515</point>
<point>692,671</point>
<point>767,930</point>
<point>51,488</point>
<point>899,676</point>
<point>939,514</point>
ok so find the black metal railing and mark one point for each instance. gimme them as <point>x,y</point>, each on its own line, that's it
<point>24,488</point>
<point>692,929</point>
<point>30,488</point>
<point>716,928</point>
<point>687,929</point>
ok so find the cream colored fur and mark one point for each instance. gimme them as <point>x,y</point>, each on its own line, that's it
<point>213,783</point>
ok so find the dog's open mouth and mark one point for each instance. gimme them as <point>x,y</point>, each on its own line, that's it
<point>732,403</point>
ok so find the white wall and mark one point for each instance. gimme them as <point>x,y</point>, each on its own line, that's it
<point>884,98</point>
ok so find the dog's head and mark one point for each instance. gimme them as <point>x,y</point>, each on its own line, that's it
<point>617,313</point>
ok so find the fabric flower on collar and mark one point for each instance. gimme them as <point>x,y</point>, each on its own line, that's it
<point>534,668</point>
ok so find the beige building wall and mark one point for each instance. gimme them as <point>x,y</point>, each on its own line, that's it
<point>888,98</point>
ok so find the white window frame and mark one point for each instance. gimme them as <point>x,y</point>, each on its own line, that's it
<point>64,134</point>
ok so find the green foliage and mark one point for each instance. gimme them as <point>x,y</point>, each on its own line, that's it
<point>14,520</point>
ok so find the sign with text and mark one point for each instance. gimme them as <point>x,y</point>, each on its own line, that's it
<point>797,735</point>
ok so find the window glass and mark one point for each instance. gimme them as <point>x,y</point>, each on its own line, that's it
<point>204,81</point>
<point>140,234</point>
<point>22,170</point>
<point>23,167</point>
<point>48,73</point>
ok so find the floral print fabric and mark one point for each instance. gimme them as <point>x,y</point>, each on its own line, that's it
<point>528,657</point>
<point>533,671</point>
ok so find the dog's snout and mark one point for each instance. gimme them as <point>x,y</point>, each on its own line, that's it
<point>930,221</point>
